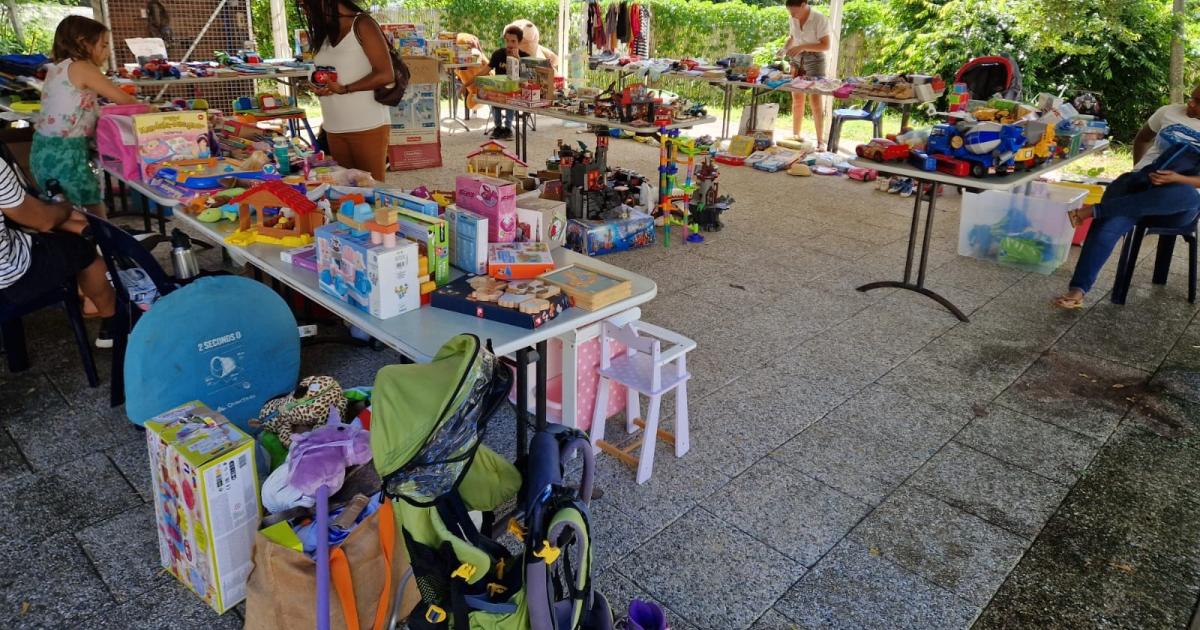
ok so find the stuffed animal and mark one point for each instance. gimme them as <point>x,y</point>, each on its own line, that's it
<point>321,456</point>
<point>530,43</point>
<point>308,406</point>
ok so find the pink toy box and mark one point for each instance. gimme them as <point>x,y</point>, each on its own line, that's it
<point>493,198</point>
<point>165,136</point>
<point>116,140</point>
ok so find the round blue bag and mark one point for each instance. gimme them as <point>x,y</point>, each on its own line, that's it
<point>227,341</point>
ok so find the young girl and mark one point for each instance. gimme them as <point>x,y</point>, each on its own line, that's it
<point>70,108</point>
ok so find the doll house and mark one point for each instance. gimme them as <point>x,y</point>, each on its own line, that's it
<point>275,213</point>
<point>495,160</point>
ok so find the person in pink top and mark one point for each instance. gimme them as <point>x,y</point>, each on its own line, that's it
<point>70,106</point>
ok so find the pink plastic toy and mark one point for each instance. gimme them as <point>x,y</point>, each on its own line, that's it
<point>116,141</point>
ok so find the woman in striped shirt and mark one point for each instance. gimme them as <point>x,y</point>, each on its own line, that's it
<point>32,264</point>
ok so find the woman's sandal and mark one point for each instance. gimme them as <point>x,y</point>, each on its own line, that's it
<point>1068,303</point>
<point>1074,218</point>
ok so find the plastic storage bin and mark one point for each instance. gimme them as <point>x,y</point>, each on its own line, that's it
<point>1025,228</point>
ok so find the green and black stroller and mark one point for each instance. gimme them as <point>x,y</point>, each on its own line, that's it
<point>427,426</point>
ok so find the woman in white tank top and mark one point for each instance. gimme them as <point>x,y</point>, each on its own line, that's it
<point>344,37</point>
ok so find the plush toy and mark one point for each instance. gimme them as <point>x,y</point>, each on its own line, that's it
<point>530,42</point>
<point>308,406</point>
<point>321,456</point>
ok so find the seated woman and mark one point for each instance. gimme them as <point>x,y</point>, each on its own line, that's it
<point>32,264</point>
<point>1128,199</point>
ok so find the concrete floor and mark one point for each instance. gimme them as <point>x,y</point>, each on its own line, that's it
<point>858,460</point>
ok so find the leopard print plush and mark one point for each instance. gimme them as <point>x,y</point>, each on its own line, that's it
<point>307,407</point>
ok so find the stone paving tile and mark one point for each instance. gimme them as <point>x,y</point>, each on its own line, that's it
<point>614,534</point>
<point>77,494</point>
<point>49,440</point>
<point>796,515</point>
<point>999,493</point>
<point>839,246</point>
<point>892,330</point>
<point>955,550</point>
<point>49,584</point>
<point>12,462</point>
<point>967,301</point>
<point>27,394</point>
<point>710,572</point>
<point>853,588</point>
<point>1076,392</point>
<point>1179,374</point>
<point>132,567</point>
<point>774,621</point>
<point>985,278</point>
<point>1119,332</point>
<point>869,445</point>
<point>676,486</point>
<point>838,366</point>
<point>132,460</point>
<point>168,606</point>
<point>1031,444</point>
<point>953,388</point>
<point>619,590</point>
<point>1112,556</point>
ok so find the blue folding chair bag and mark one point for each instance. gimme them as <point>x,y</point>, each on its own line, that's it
<point>227,341</point>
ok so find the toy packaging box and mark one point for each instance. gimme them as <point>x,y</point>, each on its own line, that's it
<point>456,297</point>
<point>166,136</point>
<point>519,261</point>
<point>434,235</point>
<point>595,238</point>
<point>397,199</point>
<point>468,240</point>
<point>549,215</point>
<point>205,501</point>
<point>415,139</point>
<point>377,280</point>
<point>493,198</point>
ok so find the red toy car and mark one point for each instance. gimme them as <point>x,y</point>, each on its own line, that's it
<point>862,174</point>
<point>951,166</point>
<point>323,75</point>
<point>882,150</point>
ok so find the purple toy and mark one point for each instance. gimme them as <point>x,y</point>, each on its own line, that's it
<point>317,467</point>
<point>644,615</point>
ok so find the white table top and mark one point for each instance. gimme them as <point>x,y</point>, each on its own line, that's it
<point>599,122</point>
<point>418,334</point>
<point>141,187</point>
<point>991,182</point>
<point>278,74</point>
<point>786,87</point>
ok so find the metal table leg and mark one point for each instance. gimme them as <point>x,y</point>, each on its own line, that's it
<point>919,286</point>
<point>145,212</point>
<point>540,388</point>
<point>452,87</point>
<point>522,402</point>
<point>905,112</point>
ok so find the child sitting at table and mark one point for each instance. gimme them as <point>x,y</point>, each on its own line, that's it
<point>70,108</point>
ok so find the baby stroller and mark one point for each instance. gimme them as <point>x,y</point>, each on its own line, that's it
<point>990,75</point>
<point>427,426</point>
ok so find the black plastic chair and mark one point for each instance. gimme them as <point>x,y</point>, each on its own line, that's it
<point>1167,228</point>
<point>13,329</point>
<point>123,252</point>
<point>870,111</point>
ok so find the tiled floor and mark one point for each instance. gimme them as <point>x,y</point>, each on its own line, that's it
<point>858,460</point>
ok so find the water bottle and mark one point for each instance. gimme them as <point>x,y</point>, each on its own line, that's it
<point>183,259</point>
<point>281,156</point>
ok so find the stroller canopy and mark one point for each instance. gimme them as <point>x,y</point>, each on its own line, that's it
<point>991,75</point>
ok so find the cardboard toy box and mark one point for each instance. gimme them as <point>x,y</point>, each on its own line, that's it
<point>596,238</point>
<point>433,234</point>
<point>165,136</point>
<point>456,297</point>
<point>548,215</point>
<point>374,279</point>
<point>415,138</point>
<point>397,199</point>
<point>493,198</point>
<point>205,501</point>
<point>468,240</point>
<point>519,261</point>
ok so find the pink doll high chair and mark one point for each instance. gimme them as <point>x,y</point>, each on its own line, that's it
<point>646,368</point>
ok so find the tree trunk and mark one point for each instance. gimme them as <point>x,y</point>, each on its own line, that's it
<point>1178,89</point>
<point>18,32</point>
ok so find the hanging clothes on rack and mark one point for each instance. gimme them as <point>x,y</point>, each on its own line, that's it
<point>610,26</point>
<point>596,33</point>
<point>641,39</point>
<point>623,22</point>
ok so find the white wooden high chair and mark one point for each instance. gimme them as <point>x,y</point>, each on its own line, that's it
<point>648,369</point>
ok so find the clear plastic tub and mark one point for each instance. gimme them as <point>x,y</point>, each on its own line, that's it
<point>1028,229</point>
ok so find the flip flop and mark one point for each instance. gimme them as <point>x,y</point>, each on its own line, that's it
<point>1067,303</point>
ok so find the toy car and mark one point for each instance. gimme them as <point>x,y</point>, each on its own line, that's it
<point>951,166</point>
<point>882,150</point>
<point>862,174</point>
<point>323,75</point>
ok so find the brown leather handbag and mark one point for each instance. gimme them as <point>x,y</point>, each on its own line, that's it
<point>391,95</point>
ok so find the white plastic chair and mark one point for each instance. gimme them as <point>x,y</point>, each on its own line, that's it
<point>646,368</point>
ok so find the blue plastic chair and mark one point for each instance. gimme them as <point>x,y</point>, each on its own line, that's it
<point>870,111</point>
<point>1167,228</point>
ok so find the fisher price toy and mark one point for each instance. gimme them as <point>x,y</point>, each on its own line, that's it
<point>284,216</point>
<point>206,173</point>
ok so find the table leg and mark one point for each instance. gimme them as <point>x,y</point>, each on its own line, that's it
<point>108,194</point>
<point>540,387</point>
<point>906,284</point>
<point>146,212</point>
<point>124,195</point>
<point>522,402</point>
<point>905,112</point>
